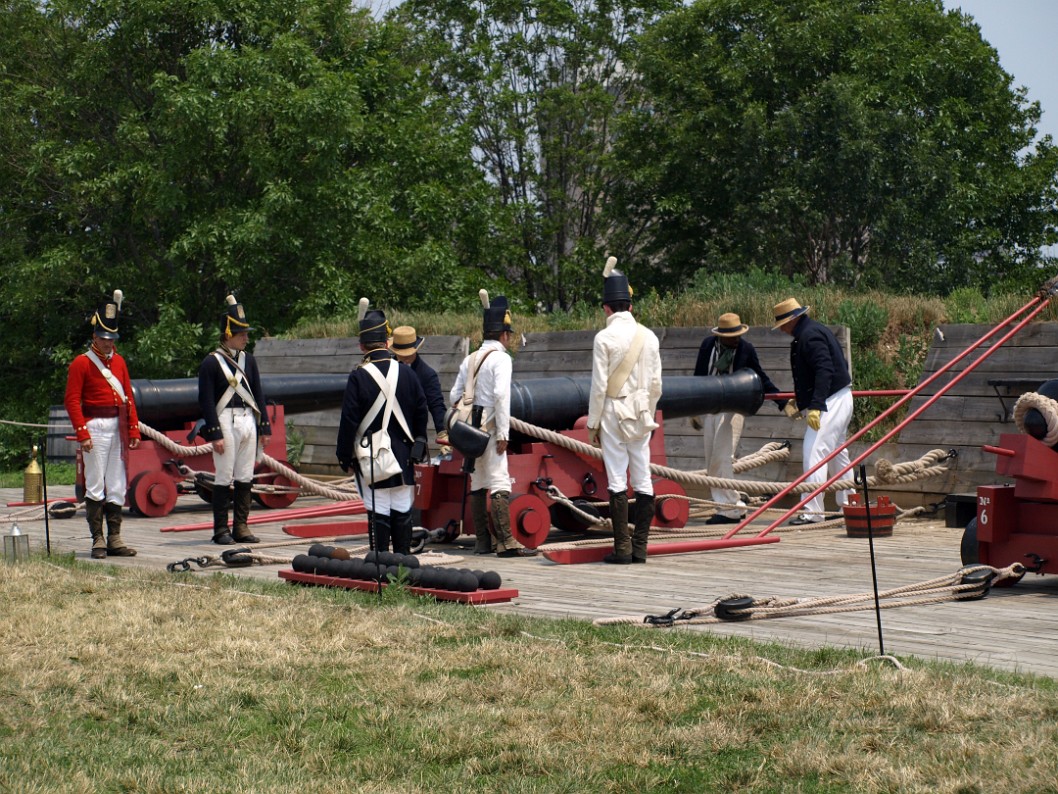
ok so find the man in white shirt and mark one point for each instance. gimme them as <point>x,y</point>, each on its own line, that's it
<point>489,368</point>
<point>625,388</point>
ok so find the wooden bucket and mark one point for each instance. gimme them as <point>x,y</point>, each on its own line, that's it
<point>882,515</point>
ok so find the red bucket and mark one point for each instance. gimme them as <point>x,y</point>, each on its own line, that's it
<point>882,514</point>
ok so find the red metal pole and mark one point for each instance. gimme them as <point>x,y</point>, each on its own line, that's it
<point>894,407</point>
<point>914,415</point>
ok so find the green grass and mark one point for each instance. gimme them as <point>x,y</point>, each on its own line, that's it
<point>58,474</point>
<point>119,680</point>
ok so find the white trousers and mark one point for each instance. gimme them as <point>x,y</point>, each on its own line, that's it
<point>239,428</point>
<point>104,471</point>
<point>719,440</point>
<point>490,471</point>
<point>384,501</point>
<point>833,429</point>
<point>622,458</point>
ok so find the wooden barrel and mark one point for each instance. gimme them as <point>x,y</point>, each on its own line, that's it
<point>59,427</point>
<point>882,516</point>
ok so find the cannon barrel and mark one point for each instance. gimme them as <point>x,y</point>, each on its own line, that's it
<point>554,403</point>
<point>557,403</point>
<point>169,404</point>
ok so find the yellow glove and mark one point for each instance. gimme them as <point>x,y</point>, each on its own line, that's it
<point>791,410</point>
<point>442,443</point>
<point>813,419</point>
<point>593,436</point>
<point>696,422</point>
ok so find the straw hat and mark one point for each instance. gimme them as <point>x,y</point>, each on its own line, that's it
<point>405,339</point>
<point>730,325</point>
<point>788,310</point>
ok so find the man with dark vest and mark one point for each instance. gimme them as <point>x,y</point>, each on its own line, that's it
<point>233,409</point>
<point>625,389</point>
<point>103,414</point>
<point>405,346</point>
<point>382,394</point>
<point>724,353</point>
<point>822,392</point>
<point>486,375</point>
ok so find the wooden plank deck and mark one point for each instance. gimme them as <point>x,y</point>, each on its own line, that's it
<point>1013,629</point>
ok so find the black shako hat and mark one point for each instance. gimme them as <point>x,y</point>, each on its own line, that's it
<point>373,324</point>
<point>497,315</point>
<point>615,286</point>
<point>233,321</point>
<point>105,320</point>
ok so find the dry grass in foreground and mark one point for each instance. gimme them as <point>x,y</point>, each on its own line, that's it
<point>121,680</point>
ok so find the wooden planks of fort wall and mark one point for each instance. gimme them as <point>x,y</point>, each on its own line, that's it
<point>971,415</point>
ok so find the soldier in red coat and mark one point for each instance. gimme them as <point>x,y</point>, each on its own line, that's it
<point>103,414</point>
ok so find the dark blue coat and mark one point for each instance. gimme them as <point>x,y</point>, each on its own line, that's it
<point>360,393</point>
<point>211,387</point>
<point>745,358</point>
<point>431,386</point>
<point>818,364</point>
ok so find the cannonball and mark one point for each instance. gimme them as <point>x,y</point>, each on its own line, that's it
<point>392,572</point>
<point>356,568</point>
<point>340,554</point>
<point>449,580</point>
<point>415,576</point>
<point>300,563</point>
<point>371,556</point>
<point>407,560</point>
<point>427,576</point>
<point>332,567</point>
<point>317,550</point>
<point>490,580</point>
<point>314,564</point>
<point>466,582</point>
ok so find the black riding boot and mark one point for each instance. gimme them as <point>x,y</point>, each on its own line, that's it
<point>240,530</point>
<point>479,519</point>
<point>622,538</point>
<point>221,498</point>
<point>400,526</point>
<point>382,530</point>
<point>644,513</point>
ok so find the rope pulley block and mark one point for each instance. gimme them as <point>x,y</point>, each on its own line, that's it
<point>237,558</point>
<point>736,608</point>
<point>981,579</point>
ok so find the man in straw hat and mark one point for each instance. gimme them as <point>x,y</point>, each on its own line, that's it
<point>365,409</point>
<point>822,392</point>
<point>625,389</point>
<point>235,418</point>
<point>405,346</point>
<point>723,353</point>
<point>103,414</point>
<point>488,370</point>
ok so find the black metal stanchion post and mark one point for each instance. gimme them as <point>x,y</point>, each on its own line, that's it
<point>862,481</point>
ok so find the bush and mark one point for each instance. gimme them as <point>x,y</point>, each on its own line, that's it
<point>866,321</point>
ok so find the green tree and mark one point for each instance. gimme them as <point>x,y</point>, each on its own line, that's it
<point>862,143</point>
<point>290,150</point>
<point>539,84</point>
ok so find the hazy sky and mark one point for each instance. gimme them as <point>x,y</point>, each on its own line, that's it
<point>1024,34</point>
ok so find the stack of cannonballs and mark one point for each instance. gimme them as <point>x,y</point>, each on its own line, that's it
<point>385,566</point>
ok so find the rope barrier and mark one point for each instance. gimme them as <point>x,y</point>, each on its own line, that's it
<point>964,584</point>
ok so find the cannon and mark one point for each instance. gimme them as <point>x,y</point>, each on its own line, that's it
<point>561,404</point>
<point>1019,522</point>
<point>156,477</point>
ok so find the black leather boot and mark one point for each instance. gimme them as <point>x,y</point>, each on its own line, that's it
<point>221,499</point>
<point>622,538</point>
<point>382,530</point>
<point>240,530</point>
<point>400,527</point>
<point>644,512</point>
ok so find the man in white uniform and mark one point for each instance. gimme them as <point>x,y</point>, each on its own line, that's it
<point>488,371</point>
<point>625,389</point>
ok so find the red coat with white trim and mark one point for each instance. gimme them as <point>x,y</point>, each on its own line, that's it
<point>86,386</point>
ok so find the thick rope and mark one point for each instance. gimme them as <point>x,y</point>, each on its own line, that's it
<point>1046,406</point>
<point>338,494</point>
<point>933,591</point>
<point>885,472</point>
